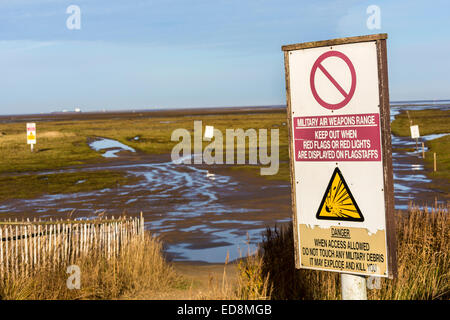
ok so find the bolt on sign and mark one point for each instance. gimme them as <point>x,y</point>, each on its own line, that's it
<point>31,133</point>
<point>340,155</point>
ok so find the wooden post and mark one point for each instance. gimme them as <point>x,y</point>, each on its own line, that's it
<point>77,240</point>
<point>89,235</point>
<point>25,244</point>
<point>94,239</point>
<point>142,226</point>
<point>64,244</point>
<point>45,245</point>
<point>434,155</point>
<point>114,229</point>
<point>70,241</point>
<point>101,237</point>
<point>1,253</point>
<point>58,243</point>
<point>423,150</point>
<point>7,249</point>
<point>55,244</point>
<point>51,256</point>
<point>83,244</point>
<point>39,243</point>
<point>34,244</point>
<point>109,238</point>
<point>16,252</point>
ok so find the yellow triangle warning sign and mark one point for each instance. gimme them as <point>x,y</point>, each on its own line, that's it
<point>31,136</point>
<point>338,202</point>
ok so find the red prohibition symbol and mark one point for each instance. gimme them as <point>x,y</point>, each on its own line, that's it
<point>347,95</point>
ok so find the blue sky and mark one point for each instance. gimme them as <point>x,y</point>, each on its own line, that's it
<point>198,53</point>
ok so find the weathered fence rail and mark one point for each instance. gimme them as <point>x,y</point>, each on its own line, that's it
<point>26,246</point>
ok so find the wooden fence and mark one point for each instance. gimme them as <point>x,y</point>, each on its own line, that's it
<point>27,245</point>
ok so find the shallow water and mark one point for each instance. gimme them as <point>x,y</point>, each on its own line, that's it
<point>410,181</point>
<point>193,210</point>
<point>199,212</point>
<point>112,147</point>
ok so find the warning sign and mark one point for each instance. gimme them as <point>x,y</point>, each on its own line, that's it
<point>343,249</point>
<point>341,157</point>
<point>353,137</point>
<point>338,202</point>
<point>31,133</point>
<point>319,65</point>
<point>415,132</point>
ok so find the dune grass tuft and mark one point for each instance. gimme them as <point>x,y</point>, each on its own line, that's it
<point>423,263</point>
<point>140,267</point>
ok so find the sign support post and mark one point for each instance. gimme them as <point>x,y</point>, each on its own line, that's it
<point>341,159</point>
<point>353,287</point>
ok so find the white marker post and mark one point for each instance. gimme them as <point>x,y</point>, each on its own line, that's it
<point>31,134</point>
<point>340,159</point>
<point>415,134</point>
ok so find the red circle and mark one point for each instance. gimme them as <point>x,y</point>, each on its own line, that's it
<point>349,95</point>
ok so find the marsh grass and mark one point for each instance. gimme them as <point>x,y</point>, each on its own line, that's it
<point>33,185</point>
<point>430,122</point>
<point>140,267</point>
<point>423,253</point>
<point>62,144</point>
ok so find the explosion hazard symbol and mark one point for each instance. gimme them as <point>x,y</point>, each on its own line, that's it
<point>338,202</point>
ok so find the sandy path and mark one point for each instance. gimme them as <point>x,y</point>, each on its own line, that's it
<point>204,281</point>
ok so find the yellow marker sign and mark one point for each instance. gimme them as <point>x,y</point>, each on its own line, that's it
<point>338,202</point>
<point>31,134</point>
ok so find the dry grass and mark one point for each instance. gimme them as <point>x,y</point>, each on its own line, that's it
<point>245,283</point>
<point>423,255</point>
<point>141,271</point>
<point>141,266</point>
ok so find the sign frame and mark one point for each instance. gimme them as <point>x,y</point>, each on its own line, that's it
<point>386,156</point>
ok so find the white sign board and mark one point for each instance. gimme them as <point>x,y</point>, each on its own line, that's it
<point>415,132</point>
<point>337,158</point>
<point>31,133</point>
